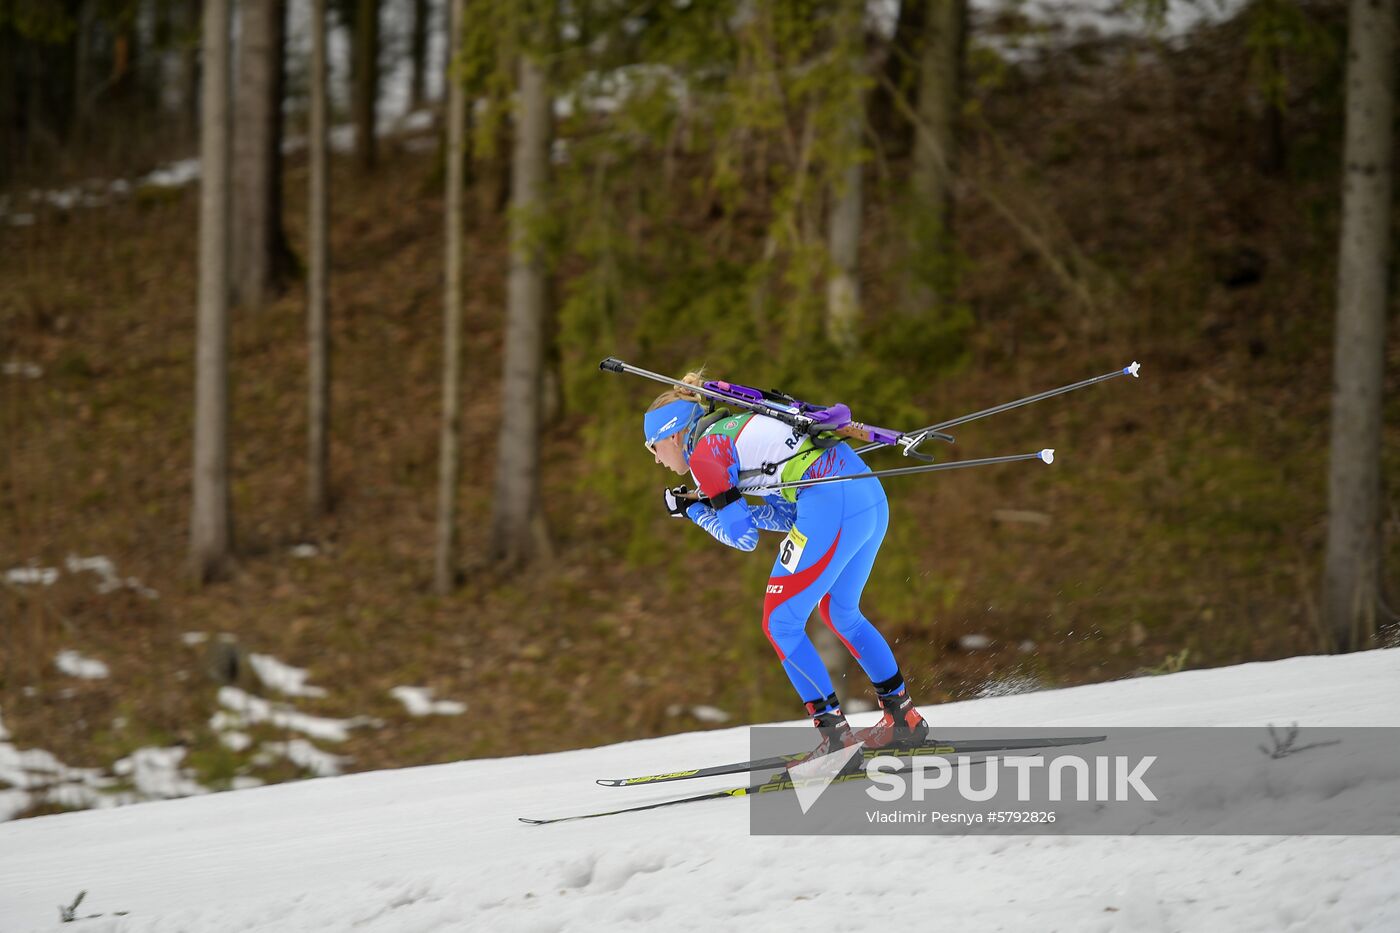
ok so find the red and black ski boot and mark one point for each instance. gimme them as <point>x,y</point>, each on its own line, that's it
<point>835,733</point>
<point>901,726</point>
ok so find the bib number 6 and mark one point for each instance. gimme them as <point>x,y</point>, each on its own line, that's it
<point>790,551</point>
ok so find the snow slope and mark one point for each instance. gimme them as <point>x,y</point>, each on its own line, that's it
<point>439,848</point>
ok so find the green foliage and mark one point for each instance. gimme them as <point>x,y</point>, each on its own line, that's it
<point>716,253</point>
<point>1171,664</point>
<point>1153,12</point>
<point>1279,29</point>
<point>51,22</point>
<point>215,764</point>
<point>494,36</point>
<point>38,20</point>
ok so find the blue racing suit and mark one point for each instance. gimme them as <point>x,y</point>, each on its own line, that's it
<point>834,532</point>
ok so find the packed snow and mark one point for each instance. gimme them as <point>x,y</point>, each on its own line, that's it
<point>439,848</point>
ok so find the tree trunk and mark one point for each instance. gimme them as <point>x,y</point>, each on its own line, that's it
<point>899,68</point>
<point>844,225</point>
<point>318,200</point>
<point>418,52</point>
<point>76,129</point>
<point>210,525</point>
<point>189,76</point>
<point>449,455</point>
<point>9,104</point>
<point>843,245</point>
<point>261,259</point>
<point>552,374</point>
<point>366,66</point>
<point>518,532</point>
<point>1352,574</point>
<point>935,155</point>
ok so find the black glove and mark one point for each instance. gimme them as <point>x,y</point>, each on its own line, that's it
<point>675,500</point>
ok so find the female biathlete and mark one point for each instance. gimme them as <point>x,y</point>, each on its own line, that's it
<point>833,530</point>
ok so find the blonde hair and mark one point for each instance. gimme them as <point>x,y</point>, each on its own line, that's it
<point>676,393</point>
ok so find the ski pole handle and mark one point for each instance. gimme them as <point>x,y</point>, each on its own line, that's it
<point>868,434</point>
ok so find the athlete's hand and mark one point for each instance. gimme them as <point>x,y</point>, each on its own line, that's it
<point>675,500</point>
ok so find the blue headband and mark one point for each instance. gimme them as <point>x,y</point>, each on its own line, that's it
<point>670,418</point>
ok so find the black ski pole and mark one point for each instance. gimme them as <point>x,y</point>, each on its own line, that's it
<point>1045,456</point>
<point>912,439</point>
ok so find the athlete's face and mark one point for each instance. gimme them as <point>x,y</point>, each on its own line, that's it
<point>668,451</point>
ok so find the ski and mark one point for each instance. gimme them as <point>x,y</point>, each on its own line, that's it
<point>931,747</point>
<point>714,795</point>
<point>779,782</point>
<point>785,782</point>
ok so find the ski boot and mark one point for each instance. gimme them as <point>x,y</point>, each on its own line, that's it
<point>901,726</point>
<point>835,734</point>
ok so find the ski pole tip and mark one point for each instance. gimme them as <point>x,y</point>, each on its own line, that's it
<point>1132,370</point>
<point>613,365</point>
<point>1048,455</point>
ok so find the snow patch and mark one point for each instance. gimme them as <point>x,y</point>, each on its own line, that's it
<point>711,714</point>
<point>302,754</point>
<point>283,677</point>
<point>13,802</point>
<point>974,642</point>
<point>75,665</point>
<point>35,776</point>
<point>247,710</point>
<point>235,741</point>
<point>22,369</point>
<point>108,579</point>
<point>171,175</point>
<point>32,576</point>
<point>1053,24</point>
<point>157,775</point>
<point>419,702</point>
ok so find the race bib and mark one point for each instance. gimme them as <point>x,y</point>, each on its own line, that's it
<point>790,551</point>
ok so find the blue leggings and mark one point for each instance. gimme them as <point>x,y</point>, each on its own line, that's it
<point>843,525</point>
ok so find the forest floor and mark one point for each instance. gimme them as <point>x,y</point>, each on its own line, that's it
<point>1124,208</point>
